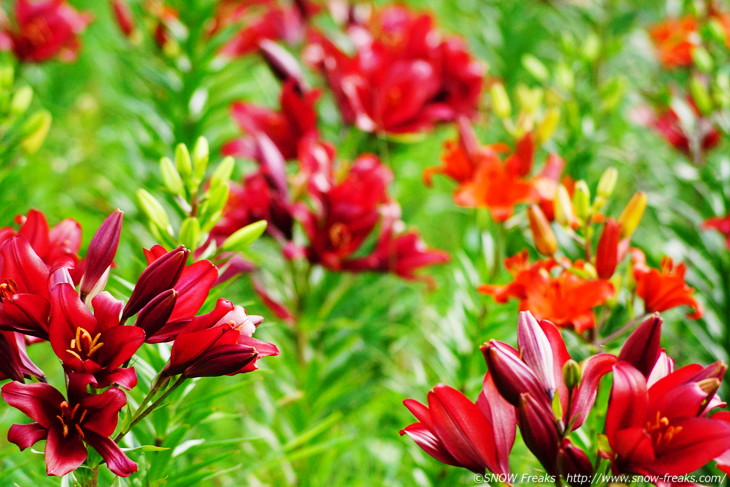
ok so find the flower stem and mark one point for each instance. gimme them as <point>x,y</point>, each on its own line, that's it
<point>628,326</point>
<point>142,412</point>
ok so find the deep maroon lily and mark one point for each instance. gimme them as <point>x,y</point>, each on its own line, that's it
<point>663,428</point>
<point>93,345</point>
<point>403,77</point>
<point>68,426</point>
<point>218,343</point>
<point>455,431</point>
<point>44,29</point>
<point>295,121</point>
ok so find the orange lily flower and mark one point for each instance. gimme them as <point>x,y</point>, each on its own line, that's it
<point>675,40</point>
<point>552,291</point>
<point>664,288</point>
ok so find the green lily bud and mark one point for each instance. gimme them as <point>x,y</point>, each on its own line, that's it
<point>565,77</point>
<point>201,153</point>
<point>563,207</point>
<point>500,101</point>
<point>591,47</point>
<point>700,95</point>
<point>607,183</point>
<point>154,210</point>
<point>547,125</point>
<point>557,407</point>
<point>212,208</point>
<point>702,59</point>
<point>222,173</point>
<point>183,163</point>
<point>529,99</point>
<point>190,232</point>
<point>170,177</point>
<point>572,374</point>
<point>7,76</point>
<point>35,130</point>
<point>582,200</point>
<point>243,237</point>
<point>535,67</point>
<point>21,100</point>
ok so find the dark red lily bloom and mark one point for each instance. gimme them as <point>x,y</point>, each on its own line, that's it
<point>721,224</point>
<point>14,361</point>
<point>404,76</point>
<point>44,29</point>
<point>297,120</point>
<point>455,431</point>
<point>530,380</point>
<point>24,297</point>
<point>93,345</point>
<point>57,246</point>
<point>346,213</point>
<point>662,429</point>
<point>68,426</point>
<point>260,20</point>
<point>663,288</point>
<point>218,343</point>
<point>565,299</point>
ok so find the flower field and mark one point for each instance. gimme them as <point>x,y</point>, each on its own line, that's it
<point>364,243</point>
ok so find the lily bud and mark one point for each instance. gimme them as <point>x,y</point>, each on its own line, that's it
<point>547,125</point>
<point>282,64</point>
<point>35,130</point>
<point>702,59</point>
<point>607,183</point>
<point>222,173</point>
<point>700,95</point>
<point>500,101</point>
<point>641,348</point>
<point>201,154</point>
<point>631,216</point>
<point>243,237</point>
<point>153,209</point>
<point>535,67</point>
<point>212,209</point>
<point>563,207</point>
<point>183,162</point>
<point>537,425</point>
<point>170,177</point>
<point>156,313</point>
<point>572,461</point>
<point>510,374</point>
<point>159,276</point>
<point>21,100</point>
<point>582,200</point>
<point>607,250</point>
<point>572,374</point>
<point>99,258</point>
<point>542,232</point>
<point>123,16</point>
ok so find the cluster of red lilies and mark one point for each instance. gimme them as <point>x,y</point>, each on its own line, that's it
<point>49,295</point>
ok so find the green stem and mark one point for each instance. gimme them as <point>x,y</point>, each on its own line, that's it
<point>628,326</point>
<point>141,413</point>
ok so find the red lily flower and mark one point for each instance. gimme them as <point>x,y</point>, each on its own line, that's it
<point>44,29</point>
<point>662,429</point>
<point>404,76</point>
<point>123,16</point>
<point>100,256</point>
<point>57,246</point>
<point>663,288</point>
<point>565,299</point>
<point>458,432</point>
<point>68,425</point>
<point>94,345</point>
<point>296,121</point>
<point>14,361</point>
<point>721,224</point>
<point>218,343</point>
<point>675,40</point>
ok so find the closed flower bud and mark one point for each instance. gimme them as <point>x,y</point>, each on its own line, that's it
<point>702,59</point>
<point>563,207</point>
<point>282,64</point>
<point>159,276</point>
<point>607,251</point>
<point>156,313</point>
<point>607,183</point>
<point>183,162</point>
<point>631,216</point>
<point>170,177</point>
<point>244,237</point>
<point>542,232</point>
<point>500,101</point>
<point>201,154</point>
<point>99,258</point>
<point>535,67</point>
<point>572,374</point>
<point>154,210</point>
<point>222,173</point>
<point>21,100</point>
<point>35,130</point>
<point>582,200</point>
<point>529,99</point>
<point>700,95</point>
<point>547,125</point>
<point>190,232</point>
